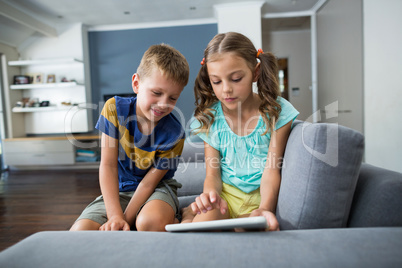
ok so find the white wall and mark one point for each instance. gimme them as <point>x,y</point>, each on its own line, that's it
<point>383,83</point>
<point>296,47</point>
<point>243,17</point>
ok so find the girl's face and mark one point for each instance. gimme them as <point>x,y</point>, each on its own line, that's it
<point>156,95</point>
<point>231,80</point>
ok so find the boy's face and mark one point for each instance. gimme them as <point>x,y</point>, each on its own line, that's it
<point>156,95</point>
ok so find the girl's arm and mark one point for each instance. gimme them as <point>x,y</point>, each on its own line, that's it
<point>109,184</point>
<point>271,177</point>
<point>210,198</point>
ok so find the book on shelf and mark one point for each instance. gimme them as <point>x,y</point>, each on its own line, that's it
<point>81,158</point>
<point>89,153</point>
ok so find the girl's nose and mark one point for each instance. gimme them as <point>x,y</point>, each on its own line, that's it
<point>227,88</point>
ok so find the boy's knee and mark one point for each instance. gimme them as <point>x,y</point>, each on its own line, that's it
<point>85,224</point>
<point>153,223</point>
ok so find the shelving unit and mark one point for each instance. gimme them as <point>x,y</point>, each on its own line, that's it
<point>44,152</point>
<point>43,85</point>
<point>56,93</point>
<point>44,62</point>
<point>42,109</point>
<point>39,137</point>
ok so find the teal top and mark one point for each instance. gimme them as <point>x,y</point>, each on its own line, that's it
<point>243,158</point>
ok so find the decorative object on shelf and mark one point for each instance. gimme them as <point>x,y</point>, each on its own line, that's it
<point>25,102</point>
<point>37,78</point>
<point>22,79</point>
<point>44,104</point>
<point>66,103</point>
<point>51,78</point>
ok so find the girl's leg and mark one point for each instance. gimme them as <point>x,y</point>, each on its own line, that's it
<point>154,215</point>
<point>85,224</point>
<point>189,216</point>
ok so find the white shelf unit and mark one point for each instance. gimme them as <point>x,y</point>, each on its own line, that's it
<point>55,118</point>
<point>44,62</point>
<point>43,85</point>
<point>42,109</point>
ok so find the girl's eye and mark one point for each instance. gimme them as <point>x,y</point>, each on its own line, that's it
<point>216,82</point>
<point>237,80</point>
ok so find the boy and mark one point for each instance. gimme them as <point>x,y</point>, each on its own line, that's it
<point>141,143</point>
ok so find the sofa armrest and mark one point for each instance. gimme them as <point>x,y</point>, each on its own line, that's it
<point>378,198</point>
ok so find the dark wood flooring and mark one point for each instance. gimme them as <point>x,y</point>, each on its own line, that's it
<point>34,201</point>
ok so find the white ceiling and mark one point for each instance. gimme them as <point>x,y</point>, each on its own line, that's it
<point>58,14</point>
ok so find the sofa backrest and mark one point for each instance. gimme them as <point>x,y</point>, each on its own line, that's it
<point>319,174</point>
<point>378,198</point>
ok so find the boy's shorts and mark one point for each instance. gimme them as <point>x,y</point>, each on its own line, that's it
<point>166,191</point>
<point>239,202</point>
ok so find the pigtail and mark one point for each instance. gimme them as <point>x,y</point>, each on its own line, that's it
<point>204,98</point>
<point>268,90</point>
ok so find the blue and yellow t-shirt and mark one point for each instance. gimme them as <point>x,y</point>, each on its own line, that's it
<point>138,153</point>
<point>243,158</point>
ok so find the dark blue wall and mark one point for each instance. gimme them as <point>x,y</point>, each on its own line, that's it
<point>115,56</point>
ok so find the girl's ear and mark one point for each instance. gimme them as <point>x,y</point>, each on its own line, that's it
<point>135,83</point>
<point>257,72</point>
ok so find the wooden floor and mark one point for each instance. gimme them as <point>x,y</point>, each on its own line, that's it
<point>34,201</point>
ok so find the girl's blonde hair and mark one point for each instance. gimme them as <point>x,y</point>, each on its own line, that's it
<point>268,86</point>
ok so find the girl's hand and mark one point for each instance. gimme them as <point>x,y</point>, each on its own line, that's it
<point>115,223</point>
<point>208,201</point>
<point>273,224</point>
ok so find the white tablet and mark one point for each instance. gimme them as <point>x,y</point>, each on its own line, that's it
<point>249,223</point>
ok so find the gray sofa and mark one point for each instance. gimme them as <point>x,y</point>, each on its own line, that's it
<point>333,212</point>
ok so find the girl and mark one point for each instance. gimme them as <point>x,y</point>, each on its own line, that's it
<point>245,133</point>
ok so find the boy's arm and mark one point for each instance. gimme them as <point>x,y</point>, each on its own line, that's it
<point>109,184</point>
<point>143,192</point>
<point>271,177</point>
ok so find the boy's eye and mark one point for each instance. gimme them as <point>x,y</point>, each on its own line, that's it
<point>173,99</point>
<point>157,93</point>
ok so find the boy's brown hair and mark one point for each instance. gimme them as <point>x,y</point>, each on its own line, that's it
<point>170,62</point>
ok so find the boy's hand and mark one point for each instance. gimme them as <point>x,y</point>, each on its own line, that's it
<point>273,224</point>
<point>115,223</point>
<point>208,201</point>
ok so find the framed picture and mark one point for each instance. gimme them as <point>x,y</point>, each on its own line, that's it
<point>51,78</point>
<point>21,79</point>
<point>37,78</point>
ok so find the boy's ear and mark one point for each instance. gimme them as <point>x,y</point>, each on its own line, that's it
<point>135,82</point>
<point>257,72</point>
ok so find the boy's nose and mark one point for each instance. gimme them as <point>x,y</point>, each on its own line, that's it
<point>163,104</point>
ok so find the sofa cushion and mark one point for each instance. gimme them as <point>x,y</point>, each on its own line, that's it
<point>378,199</point>
<point>357,247</point>
<point>191,175</point>
<point>319,174</point>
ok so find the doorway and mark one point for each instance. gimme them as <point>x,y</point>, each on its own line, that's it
<point>283,77</point>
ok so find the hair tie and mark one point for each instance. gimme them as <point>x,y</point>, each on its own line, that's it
<point>259,52</point>
<point>203,61</point>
